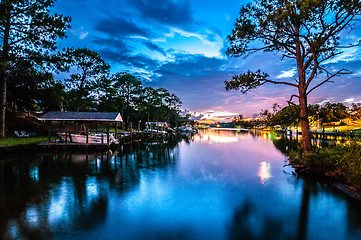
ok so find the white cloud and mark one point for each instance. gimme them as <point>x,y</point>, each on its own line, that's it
<point>203,38</point>
<point>347,56</point>
<point>79,33</point>
<point>287,74</point>
<point>349,100</point>
<point>83,35</point>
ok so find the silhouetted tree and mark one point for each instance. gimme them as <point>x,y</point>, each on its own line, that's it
<point>27,30</point>
<point>304,31</point>
<point>90,69</point>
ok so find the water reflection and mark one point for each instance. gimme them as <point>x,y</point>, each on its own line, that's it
<point>218,137</point>
<point>46,194</point>
<point>264,171</point>
<point>247,224</point>
<point>215,185</point>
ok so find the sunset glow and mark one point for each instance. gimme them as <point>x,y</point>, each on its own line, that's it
<point>182,48</point>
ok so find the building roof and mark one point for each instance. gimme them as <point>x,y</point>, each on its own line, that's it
<point>82,116</point>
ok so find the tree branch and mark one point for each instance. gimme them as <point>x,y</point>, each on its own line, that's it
<point>284,83</point>
<point>328,79</point>
<point>290,101</point>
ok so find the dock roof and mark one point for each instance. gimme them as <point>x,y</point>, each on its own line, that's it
<point>82,116</point>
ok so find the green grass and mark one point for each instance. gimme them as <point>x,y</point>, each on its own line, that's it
<point>341,161</point>
<point>18,141</point>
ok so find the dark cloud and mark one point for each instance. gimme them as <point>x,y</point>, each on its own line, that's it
<point>176,13</point>
<point>113,43</point>
<point>194,65</point>
<point>118,26</point>
<point>129,61</point>
<point>194,78</point>
<point>154,47</point>
<point>119,52</point>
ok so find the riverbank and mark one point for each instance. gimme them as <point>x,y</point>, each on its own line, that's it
<point>331,179</point>
<point>338,166</point>
<point>13,144</point>
<point>14,141</point>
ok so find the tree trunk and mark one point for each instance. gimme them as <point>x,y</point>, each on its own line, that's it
<point>4,63</point>
<point>2,104</point>
<point>306,137</point>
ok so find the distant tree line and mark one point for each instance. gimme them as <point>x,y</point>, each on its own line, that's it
<point>290,115</point>
<point>29,61</point>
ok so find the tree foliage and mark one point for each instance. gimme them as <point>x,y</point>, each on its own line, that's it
<point>306,31</point>
<point>28,60</point>
<point>88,71</point>
<point>27,30</point>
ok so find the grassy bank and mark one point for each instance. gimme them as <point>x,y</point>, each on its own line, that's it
<point>342,162</point>
<point>13,141</point>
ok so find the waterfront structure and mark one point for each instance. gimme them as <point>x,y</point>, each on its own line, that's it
<point>83,127</point>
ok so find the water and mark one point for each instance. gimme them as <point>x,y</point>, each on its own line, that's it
<point>218,185</point>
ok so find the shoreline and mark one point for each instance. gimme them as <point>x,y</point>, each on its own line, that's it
<point>330,179</point>
<point>20,147</point>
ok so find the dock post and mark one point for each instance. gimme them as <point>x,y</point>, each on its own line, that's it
<point>151,131</point>
<point>131,132</point>
<point>108,134</point>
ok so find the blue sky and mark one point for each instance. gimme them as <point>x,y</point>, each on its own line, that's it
<point>180,45</point>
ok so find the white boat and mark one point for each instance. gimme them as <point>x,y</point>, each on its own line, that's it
<point>187,129</point>
<point>156,127</point>
<point>93,138</point>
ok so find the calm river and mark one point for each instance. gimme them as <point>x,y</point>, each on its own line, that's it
<point>217,185</point>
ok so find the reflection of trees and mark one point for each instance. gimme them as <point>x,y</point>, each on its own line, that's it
<point>28,196</point>
<point>285,145</point>
<point>244,228</point>
<point>73,186</point>
<point>305,202</point>
<point>248,223</point>
<point>354,215</point>
<point>310,189</point>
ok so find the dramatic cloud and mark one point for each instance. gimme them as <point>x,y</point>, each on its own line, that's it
<point>180,45</point>
<point>117,26</point>
<point>174,13</point>
<point>154,47</point>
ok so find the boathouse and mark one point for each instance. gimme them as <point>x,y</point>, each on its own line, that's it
<point>89,126</point>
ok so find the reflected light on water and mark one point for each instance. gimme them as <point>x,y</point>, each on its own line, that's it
<point>264,171</point>
<point>216,137</point>
<point>219,139</point>
<point>32,217</point>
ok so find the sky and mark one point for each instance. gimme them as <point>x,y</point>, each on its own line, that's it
<point>180,45</point>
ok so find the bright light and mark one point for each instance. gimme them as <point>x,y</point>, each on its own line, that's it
<point>264,171</point>
<point>219,139</point>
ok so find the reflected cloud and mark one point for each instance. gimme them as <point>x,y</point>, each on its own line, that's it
<point>218,137</point>
<point>264,171</point>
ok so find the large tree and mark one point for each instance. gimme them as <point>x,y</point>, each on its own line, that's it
<point>128,88</point>
<point>306,31</point>
<point>25,84</point>
<point>27,30</point>
<point>88,70</point>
